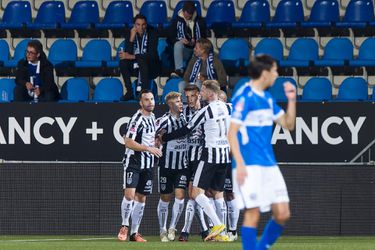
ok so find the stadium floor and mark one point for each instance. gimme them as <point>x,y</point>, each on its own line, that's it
<point>110,243</point>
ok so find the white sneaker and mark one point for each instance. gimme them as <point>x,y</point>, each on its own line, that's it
<point>164,237</point>
<point>233,236</point>
<point>172,234</point>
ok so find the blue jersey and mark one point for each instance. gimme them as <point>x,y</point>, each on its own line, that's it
<point>255,111</point>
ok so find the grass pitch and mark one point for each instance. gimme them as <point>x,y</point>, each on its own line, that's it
<point>111,243</point>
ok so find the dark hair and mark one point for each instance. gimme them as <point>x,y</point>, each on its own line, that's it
<point>144,91</point>
<point>191,87</point>
<point>189,7</point>
<point>139,16</point>
<point>260,63</point>
<point>36,45</point>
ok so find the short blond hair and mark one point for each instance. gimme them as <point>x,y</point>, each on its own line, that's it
<point>212,85</point>
<point>171,95</point>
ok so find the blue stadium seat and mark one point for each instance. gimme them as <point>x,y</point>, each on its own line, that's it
<point>353,89</point>
<point>239,84</point>
<point>19,53</point>
<point>91,58</point>
<point>108,90</point>
<point>234,54</point>
<point>277,90</point>
<point>156,13</point>
<point>219,13</point>
<point>170,85</point>
<point>75,90</point>
<point>358,14</point>
<point>317,89</point>
<point>85,15</point>
<point>254,14</point>
<point>119,14</point>
<point>152,86</point>
<point>336,52</point>
<point>180,4</point>
<point>366,56</point>
<point>4,51</point>
<point>51,15</point>
<point>17,14</point>
<point>289,13</point>
<point>373,93</point>
<point>63,52</point>
<point>6,89</point>
<point>302,53</point>
<point>270,46</point>
<point>115,63</point>
<point>165,53</point>
<point>323,14</point>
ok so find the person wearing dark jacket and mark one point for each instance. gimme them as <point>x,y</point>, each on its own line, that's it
<point>140,56</point>
<point>185,30</point>
<point>34,76</point>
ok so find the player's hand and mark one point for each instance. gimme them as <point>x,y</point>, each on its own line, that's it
<point>37,91</point>
<point>29,86</point>
<point>290,91</point>
<point>160,135</point>
<point>241,174</point>
<point>155,151</point>
<point>133,32</point>
<point>185,41</point>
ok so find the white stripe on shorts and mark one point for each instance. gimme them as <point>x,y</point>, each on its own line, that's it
<point>198,173</point>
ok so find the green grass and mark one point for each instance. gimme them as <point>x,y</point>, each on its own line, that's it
<point>109,243</point>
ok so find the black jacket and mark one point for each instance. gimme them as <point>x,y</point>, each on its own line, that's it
<point>152,45</point>
<point>46,74</point>
<point>172,34</point>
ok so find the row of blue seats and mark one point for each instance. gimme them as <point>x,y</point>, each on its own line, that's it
<point>234,53</point>
<point>77,90</point>
<point>255,14</point>
<point>320,89</point>
<point>111,89</point>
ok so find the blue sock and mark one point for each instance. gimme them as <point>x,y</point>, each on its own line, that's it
<point>249,238</point>
<point>271,233</point>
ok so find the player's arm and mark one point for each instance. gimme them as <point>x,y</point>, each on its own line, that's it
<point>197,119</point>
<point>130,143</point>
<point>288,120</point>
<point>236,153</point>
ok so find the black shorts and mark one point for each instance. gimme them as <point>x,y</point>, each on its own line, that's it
<point>192,166</point>
<point>169,180</point>
<point>228,185</point>
<point>210,175</point>
<point>140,179</point>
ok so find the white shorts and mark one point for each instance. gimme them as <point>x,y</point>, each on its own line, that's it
<point>263,187</point>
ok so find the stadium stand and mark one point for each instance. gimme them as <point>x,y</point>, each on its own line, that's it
<point>6,89</point>
<point>75,90</point>
<point>108,90</point>
<point>317,89</point>
<point>339,47</point>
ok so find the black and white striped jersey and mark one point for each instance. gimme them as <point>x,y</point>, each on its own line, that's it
<point>195,138</point>
<point>142,130</point>
<point>215,118</point>
<point>174,151</point>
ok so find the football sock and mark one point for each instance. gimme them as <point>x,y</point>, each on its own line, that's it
<point>204,202</point>
<point>126,210</point>
<point>233,215</point>
<point>137,216</point>
<point>163,215</point>
<point>189,214</point>
<point>178,208</point>
<point>249,238</point>
<point>271,233</point>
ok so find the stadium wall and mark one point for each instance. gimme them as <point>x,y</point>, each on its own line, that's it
<point>84,198</point>
<point>325,132</point>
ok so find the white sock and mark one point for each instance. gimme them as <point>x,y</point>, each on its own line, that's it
<point>163,215</point>
<point>189,215</point>
<point>200,214</point>
<point>137,215</point>
<point>178,208</point>
<point>221,210</point>
<point>204,202</point>
<point>212,202</point>
<point>126,210</point>
<point>233,214</point>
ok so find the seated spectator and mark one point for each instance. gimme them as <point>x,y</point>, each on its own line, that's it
<point>34,76</point>
<point>204,65</point>
<point>140,57</point>
<point>185,30</point>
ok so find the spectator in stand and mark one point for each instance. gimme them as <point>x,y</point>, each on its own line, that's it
<point>204,65</point>
<point>185,30</point>
<point>140,57</point>
<point>34,76</point>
